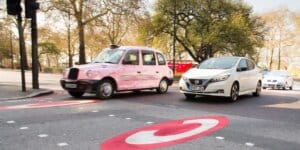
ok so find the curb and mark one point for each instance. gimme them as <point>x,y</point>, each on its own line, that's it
<point>34,94</point>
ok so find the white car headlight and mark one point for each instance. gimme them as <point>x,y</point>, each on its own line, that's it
<point>184,78</point>
<point>221,77</point>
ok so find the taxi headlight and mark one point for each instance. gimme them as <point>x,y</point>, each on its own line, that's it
<point>90,73</point>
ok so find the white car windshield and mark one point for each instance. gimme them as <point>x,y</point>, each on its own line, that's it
<point>277,73</point>
<point>112,56</point>
<point>218,63</point>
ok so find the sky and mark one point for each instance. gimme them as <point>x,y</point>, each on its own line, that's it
<point>262,6</point>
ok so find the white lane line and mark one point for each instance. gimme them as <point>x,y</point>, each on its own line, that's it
<point>95,111</point>
<point>220,138</point>
<point>111,115</point>
<point>128,118</point>
<point>23,128</point>
<point>43,135</point>
<point>249,144</point>
<point>62,144</point>
<point>10,122</point>
<point>149,122</point>
<point>80,108</point>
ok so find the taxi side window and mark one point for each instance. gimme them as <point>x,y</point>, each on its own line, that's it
<point>161,59</point>
<point>148,58</point>
<point>131,58</point>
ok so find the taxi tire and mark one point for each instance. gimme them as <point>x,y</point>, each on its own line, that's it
<point>76,94</point>
<point>100,94</point>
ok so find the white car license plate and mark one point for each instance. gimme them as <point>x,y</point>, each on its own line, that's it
<point>198,88</point>
<point>70,85</point>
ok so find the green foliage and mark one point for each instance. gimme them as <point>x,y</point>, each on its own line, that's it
<point>208,27</point>
<point>48,48</point>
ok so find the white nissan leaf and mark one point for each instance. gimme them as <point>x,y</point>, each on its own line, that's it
<point>224,76</point>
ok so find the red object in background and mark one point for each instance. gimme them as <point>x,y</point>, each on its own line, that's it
<point>181,66</point>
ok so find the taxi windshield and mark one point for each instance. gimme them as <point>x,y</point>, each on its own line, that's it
<point>111,56</point>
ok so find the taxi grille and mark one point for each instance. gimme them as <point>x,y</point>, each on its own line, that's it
<point>73,73</point>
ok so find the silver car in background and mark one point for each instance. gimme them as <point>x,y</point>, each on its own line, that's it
<point>278,79</point>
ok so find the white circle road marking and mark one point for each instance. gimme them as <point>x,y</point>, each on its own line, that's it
<point>128,118</point>
<point>23,128</point>
<point>220,138</point>
<point>95,111</point>
<point>249,144</point>
<point>62,144</point>
<point>149,137</point>
<point>149,122</point>
<point>43,135</point>
<point>111,115</point>
<point>10,122</point>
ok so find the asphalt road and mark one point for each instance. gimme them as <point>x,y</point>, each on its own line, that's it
<point>270,121</point>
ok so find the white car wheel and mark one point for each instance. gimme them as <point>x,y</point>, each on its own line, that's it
<point>234,92</point>
<point>258,89</point>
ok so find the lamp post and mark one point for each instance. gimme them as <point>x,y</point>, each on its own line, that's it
<point>174,36</point>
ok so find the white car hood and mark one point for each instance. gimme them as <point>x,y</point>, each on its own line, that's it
<point>204,73</point>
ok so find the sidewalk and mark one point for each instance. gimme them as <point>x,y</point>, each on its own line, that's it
<point>14,92</point>
<point>10,85</point>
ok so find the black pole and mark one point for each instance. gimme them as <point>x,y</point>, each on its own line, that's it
<point>35,70</point>
<point>174,38</point>
<point>19,19</point>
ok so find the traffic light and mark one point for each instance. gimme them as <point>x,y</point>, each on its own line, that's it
<point>13,7</point>
<point>30,7</point>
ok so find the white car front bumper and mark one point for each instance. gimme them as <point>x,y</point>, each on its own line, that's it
<point>221,88</point>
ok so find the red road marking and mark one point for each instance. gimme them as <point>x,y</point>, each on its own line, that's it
<point>165,134</point>
<point>49,104</point>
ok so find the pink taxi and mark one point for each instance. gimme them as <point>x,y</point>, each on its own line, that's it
<point>119,68</point>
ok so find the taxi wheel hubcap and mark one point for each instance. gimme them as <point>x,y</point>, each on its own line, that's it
<point>106,89</point>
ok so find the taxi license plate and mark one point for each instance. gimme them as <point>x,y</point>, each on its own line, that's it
<point>70,85</point>
<point>198,88</point>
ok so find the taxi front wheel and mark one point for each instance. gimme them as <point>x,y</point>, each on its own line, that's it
<point>105,89</point>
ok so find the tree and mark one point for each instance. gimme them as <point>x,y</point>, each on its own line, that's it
<point>84,12</point>
<point>47,49</point>
<point>6,50</point>
<point>279,36</point>
<point>209,27</point>
<point>117,22</point>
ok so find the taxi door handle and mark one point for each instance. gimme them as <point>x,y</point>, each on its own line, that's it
<point>157,71</point>
<point>139,72</point>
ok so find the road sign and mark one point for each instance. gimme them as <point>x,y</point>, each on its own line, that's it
<point>48,104</point>
<point>165,134</point>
